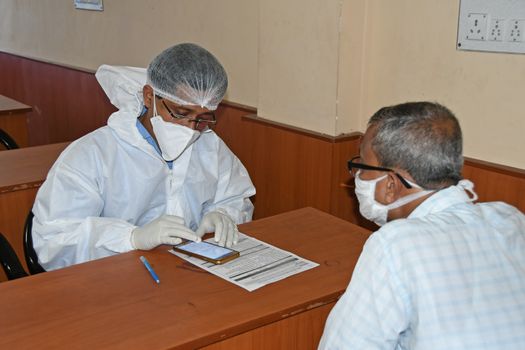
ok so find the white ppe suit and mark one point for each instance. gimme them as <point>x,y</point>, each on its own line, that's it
<point>112,180</point>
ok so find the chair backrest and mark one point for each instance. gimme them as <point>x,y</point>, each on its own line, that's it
<point>7,140</point>
<point>12,267</point>
<point>29,252</point>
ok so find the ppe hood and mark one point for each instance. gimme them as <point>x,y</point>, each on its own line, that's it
<point>123,86</point>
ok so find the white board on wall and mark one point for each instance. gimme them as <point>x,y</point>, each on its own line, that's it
<point>95,5</point>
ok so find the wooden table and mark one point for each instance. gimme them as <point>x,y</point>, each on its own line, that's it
<point>22,172</point>
<point>114,303</point>
<point>13,120</point>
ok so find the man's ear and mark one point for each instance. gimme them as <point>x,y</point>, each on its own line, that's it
<point>147,94</point>
<point>392,189</point>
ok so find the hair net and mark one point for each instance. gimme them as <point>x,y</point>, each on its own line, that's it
<point>188,74</point>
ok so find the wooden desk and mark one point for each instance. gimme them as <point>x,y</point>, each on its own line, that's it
<point>23,171</point>
<point>114,303</point>
<point>13,120</point>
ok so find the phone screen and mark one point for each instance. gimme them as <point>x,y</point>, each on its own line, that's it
<point>206,249</point>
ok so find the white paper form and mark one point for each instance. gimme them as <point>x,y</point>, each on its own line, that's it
<point>259,264</point>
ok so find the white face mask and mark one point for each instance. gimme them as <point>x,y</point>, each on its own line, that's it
<point>173,139</point>
<point>365,191</point>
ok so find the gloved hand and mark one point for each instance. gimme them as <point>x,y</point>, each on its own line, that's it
<point>226,233</point>
<point>167,229</point>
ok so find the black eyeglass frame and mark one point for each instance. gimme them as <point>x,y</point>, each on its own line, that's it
<point>197,121</point>
<point>353,165</point>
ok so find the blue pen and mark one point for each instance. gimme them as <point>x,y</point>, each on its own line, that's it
<point>150,269</point>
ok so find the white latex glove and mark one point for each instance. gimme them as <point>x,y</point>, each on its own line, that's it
<point>167,229</point>
<point>226,233</point>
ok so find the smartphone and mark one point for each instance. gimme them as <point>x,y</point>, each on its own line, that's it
<point>207,251</point>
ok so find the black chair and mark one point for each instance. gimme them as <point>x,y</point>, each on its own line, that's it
<point>7,140</point>
<point>12,267</point>
<point>29,252</point>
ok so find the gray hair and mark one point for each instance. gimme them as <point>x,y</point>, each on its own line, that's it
<point>422,138</point>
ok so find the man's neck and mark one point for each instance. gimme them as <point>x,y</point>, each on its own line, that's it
<point>405,210</point>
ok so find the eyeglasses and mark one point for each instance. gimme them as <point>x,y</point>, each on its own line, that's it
<point>202,121</point>
<point>355,164</point>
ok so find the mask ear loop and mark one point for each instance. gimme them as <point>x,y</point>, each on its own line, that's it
<point>407,199</point>
<point>468,186</point>
<point>154,105</point>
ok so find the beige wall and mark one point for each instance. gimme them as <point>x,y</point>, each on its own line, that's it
<point>298,62</point>
<point>131,32</point>
<point>409,54</point>
<point>352,66</point>
<point>323,65</point>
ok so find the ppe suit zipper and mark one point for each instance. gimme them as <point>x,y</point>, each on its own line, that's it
<point>171,180</point>
<point>169,198</point>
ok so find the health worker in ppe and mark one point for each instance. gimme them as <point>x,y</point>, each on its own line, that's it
<point>154,175</point>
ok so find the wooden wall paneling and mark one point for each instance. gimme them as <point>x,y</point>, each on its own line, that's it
<point>67,103</point>
<point>493,182</point>
<point>10,87</point>
<point>41,94</point>
<point>231,127</point>
<point>89,107</point>
<point>20,85</point>
<point>10,69</point>
<point>344,202</point>
<point>232,131</point>
<point>290,168</point>
<point>70,102</point>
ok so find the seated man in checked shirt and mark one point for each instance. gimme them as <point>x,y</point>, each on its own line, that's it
<point>442,272</point>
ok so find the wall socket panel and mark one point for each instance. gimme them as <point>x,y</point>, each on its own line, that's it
<point>492,25</point>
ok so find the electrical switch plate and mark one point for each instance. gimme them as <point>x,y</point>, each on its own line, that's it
<point>491,25</point>
<point>476,26</point>
<point>515,30</point>
<point>496,29</point>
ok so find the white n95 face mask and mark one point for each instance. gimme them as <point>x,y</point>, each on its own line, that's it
<point>372,210</point>
<point>173,139</point>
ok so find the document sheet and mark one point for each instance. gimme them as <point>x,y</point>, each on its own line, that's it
<point>259,264</point>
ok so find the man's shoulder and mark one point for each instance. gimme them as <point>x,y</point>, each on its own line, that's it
<point>450,221</point>
<point>500,207</point>
<point>501,214</point>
